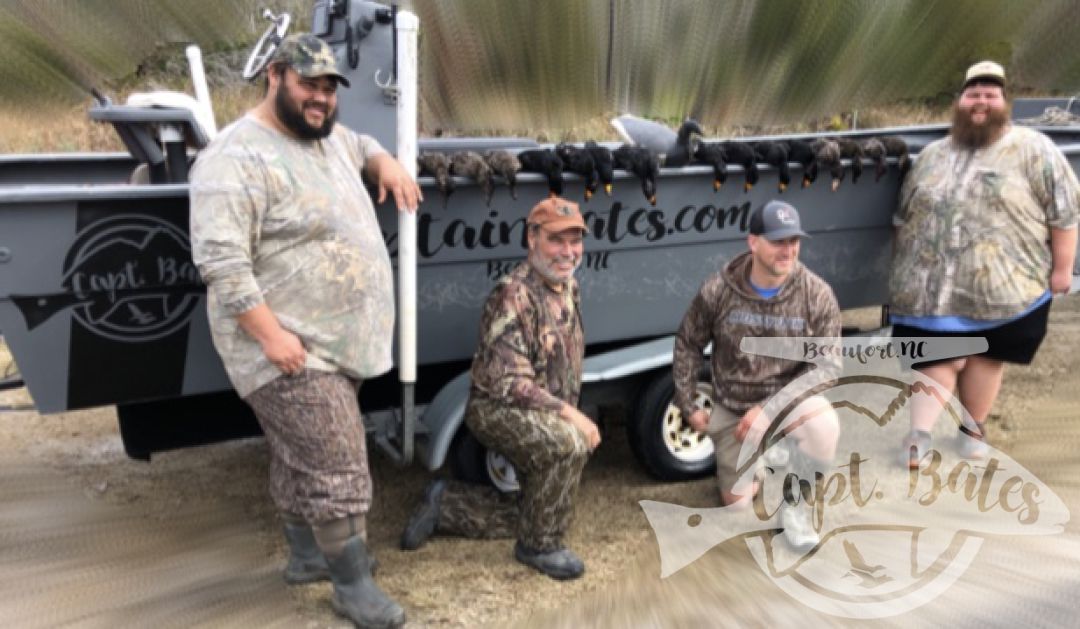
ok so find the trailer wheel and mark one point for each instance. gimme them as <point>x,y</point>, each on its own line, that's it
<point>470,461</point>
<point>663,442</point>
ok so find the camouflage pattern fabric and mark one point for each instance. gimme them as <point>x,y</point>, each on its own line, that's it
<point>725,310</point>
<point>318,451</point>
<point>289,223</point>
<point>548,454</point>
<point>974,226</point>
<point>531,343</point>
<point>526,365</point>
<point>309,56</point>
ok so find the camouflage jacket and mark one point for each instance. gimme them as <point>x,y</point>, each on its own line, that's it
<point>531,343</point>
<point>289,223</point>
<point>725,310</point>
<point>974,226</point>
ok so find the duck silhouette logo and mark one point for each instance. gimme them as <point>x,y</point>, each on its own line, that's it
<point>887,539</point>
<point>127,278</point>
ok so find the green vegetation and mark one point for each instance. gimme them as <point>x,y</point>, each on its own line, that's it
<point>559,69</point>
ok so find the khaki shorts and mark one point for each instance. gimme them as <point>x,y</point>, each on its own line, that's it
<point>721,430</point>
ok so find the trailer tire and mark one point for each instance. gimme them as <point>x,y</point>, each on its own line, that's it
<point>471,462</point>
<point>662,441</point>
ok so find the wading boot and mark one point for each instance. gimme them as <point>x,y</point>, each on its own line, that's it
<point>356,596</point>
<point>306,561</point>
<point>425,519</point>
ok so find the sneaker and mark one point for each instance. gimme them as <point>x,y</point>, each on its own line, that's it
<point>916,446</point>
<point>561,564</point>
<point>971,444</point>
<point>798,529</point>
<point>778,455</point>
<point>425,519</point>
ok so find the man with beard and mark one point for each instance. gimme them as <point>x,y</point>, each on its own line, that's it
<point>986,234</point>
<point>300,303</point>
<point>764,292</point>
<point>526,379</point>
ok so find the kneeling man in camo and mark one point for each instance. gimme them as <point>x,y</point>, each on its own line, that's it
<point>526,379</point>
<point>765,292</point>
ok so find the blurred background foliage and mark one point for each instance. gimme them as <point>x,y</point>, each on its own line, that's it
<point>555,65</point>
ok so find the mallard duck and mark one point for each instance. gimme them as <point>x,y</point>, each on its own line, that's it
<point>852,150</point>
<point>827,154</point>
<point>802,152</point>
<point>875,151</point>
<point>605,164</point>
<point>504,164</point>
<point>471,165</point>
<point>580,162</point>
<point>775,154</point>
<point>643,163</point>
<point>437,166</point>
<point>896,147</point>
<point>742,153</point>
<point>547,163</point>
<point>712,153</point>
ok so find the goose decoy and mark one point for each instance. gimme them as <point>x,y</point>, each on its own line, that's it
<point>472,165</point>
<point>672,148</point>
<point>504,164</point>
<point>875,151</point>
<point>852,150</point>
<point>580,162</point>
<point>547,163</point>
<point>712,153</point>
<point>827,154</point>
<point>742,153</point>
<point>896,147</point>
<point>775,154</point>
<point>437,165</point>
<point>643,163</point>
<point>605,164</point>
<point>802,151</point>
<point>686,143</point>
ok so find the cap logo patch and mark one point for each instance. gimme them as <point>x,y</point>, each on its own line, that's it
<point>785,216</point>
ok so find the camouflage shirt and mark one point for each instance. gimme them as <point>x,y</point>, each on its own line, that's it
<point>725,310</point>
<point>974,226</point>
<point>289,223</point>
<point>531,343</point>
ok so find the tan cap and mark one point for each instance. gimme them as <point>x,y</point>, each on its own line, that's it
<point>556,214</point>
<point>985,71</point>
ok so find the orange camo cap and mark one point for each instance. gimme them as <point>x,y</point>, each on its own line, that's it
<point>556,214</point>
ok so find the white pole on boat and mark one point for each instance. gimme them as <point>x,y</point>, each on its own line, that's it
<point>202,92</point>
<point>407,25</point>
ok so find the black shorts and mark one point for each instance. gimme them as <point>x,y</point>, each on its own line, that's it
<point>1013,342</point>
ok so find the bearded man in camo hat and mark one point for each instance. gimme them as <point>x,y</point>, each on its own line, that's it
<point>526,380</point>
<point>301,305</point>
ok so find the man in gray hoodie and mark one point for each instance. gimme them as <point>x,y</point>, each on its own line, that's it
<point>764,292</point>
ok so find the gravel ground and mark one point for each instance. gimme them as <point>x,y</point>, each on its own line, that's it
<point>76,460</point>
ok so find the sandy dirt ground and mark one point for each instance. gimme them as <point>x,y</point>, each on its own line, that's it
<point>91,538</point>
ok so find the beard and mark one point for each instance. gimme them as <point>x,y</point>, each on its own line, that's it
<point>973,136</point>
<point>293,118</point>
<point>546,268</point>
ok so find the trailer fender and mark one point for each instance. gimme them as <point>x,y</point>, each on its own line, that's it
<point>441,419</point>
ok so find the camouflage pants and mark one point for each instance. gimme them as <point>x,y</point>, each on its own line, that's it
<point>318,451</point>
<point>548,454</point>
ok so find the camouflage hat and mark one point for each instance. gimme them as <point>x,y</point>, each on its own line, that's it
<point>555,215</point>
<point>309,56</point>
